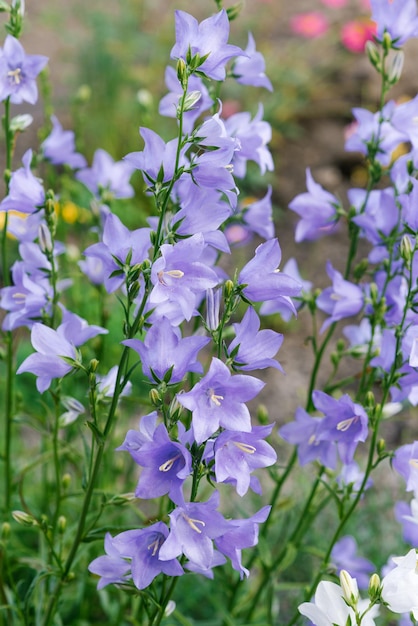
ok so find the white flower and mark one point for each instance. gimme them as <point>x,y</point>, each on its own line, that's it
<point>329,608</point>
<point>400,586</point>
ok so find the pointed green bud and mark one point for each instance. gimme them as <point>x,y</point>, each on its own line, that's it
<point>155,397</point>
<point>66,481</point>
<point>20,123</point>
<point>370,401</point>
<point>395,67</point>
<point>381,447</point>
<point>349,588</point>
<point>61,524</point>
<point>182,72</point>
<point>375,588</point>
<point>5,531</point>
<point>228,289</point>
<point>234,11</point>
<point>373,53</point>
<point>4,6</point>
<point>406,249</point>
<point>262,414</point>
<point>387,41</point>
<point>191,99</point>
<point>24,518</point>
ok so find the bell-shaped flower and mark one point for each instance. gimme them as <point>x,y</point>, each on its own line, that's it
<point>303,433</point>
<point>192,529</point>
<point>135,554</point>
<point>77,330</point>
<point>258,216</point>
<point>135,439</point>
<point>399,19</point>
<point>210,38</point>
<point>157,160</point>
<point>405,462</point>
<point>164,349</point>
<point>400,585</point>
<point>107,178</point>
<point>262,280</point>
<point>251,69</point>
<point>26,193</point>
<point>18,72</point>
<point>128,247</point>
<point>317,209</point>
<point>53,357</point>
<point>27,300</point>
<point>252,348</point>
<point>166,464</point>
<point>59,147</point>
<point>342,300</point>
<point>180,277</point>
<point>218,400</point>
<point>242,534</point>
<point>237,455</point>
<point>344,557</point>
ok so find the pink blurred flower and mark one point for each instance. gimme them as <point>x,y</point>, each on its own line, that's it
<point>355,33</point>
<point>310,25</point>
<point>335,4</point>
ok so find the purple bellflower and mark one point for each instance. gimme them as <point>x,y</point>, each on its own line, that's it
<point>135,439</point>
<point>106,384</point>
<point>74,328</point>
<point>262,280</point>
<point>345,422</point>
<point>317,209</point>
<point>192,529</point>
<point>59,147</point>
<point>165,349</point>
<point>120,243</point>
<point>18,72</point>
<point>207,38</point>
<point>26,193</point>
<point>179,276</point>
<point>253,136</point>
<point>47,362</point>
<point>290,268</point>
<point>252,348</point>
<point>157,160</point>
<point>166,465</point>
<point>378,219</point>
<point>407,515</point>
<point>352,476</point>
<point>398,18</point>
<point>218,400</point>
<point>107,178</point>
<point>250,69</point>
<point>405,462</point>
<point>344,556</point>
<point>27,300</point>
<point>242,534</point>
<point>342,300</point>
<point>237,455</point>
<point>135,554</point>
<point>303,433</point>
<point>258,216</point>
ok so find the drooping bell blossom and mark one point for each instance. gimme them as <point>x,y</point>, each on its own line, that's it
<point>94,268</point>
<point>378,219</point>
<point>135,439</point>
<point>18,72</point>
<point>352,476</point>
<point>344,557</point>
<point>48,362</point>
<point>237,455</point>
<point>404,117</point>
<point>166,464</point>
<point>407,515</point>
<point>59,147</point>
<point>216,560</point>
<point>343,299</point>
<point>345,422</point>
<point>253,348</point>
<point>26,193</point>
<point>202,211</point>
<point>303,434</point>
<point>77,330</point>
<point>74,409</point>
<point>165,349</point>
<point>262,278</point>
<point>27,300</point>
<point>310,25</point>
<point>193,527</point>
<point>25,226</point>
<point>135,554</point>
<point>258,216</point>
<point>270,307</point>
<point>405,462</point>
<point>157,160</point>
<point>356,33</point>
<point>372,127</point>
<point>359,336</point>
<point>170,102</point>
<point>251,69</point>
<point>253,136</point>
<point>330,609</point>
<point>120,243</point>
<point>207,38</point>
<point>179,276</point>
<point>106,385</point>
<point>317,209</point>
<point>398,18</point>
<point>218,400</point>
<point>242,534</point>
<point>400,585</point>
<point>106,177</point>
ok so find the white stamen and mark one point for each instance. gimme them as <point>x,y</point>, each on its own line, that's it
<point>15,75</point>
<point>344,425</point>
<point>245,447</point>
<point>192,523</point>
<point>166,467</point>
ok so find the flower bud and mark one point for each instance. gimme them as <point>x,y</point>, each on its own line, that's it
<point>61,524</point>
<point>373,53</point>
<point>349,588</point>
<point>182,72</point>
<point>381,446</point>
<point>155,397</point>
<point>24,518</point>
<point>44,238</point>
<point>374,588</point>
<point>228,289</point>
<point>20,122</point>
<point>213,301</point>
<point>66,481</point>
<point>83,94</point>
<point>395,67</point>
<point>387,41</point>
<point>406,249</point>
<point>262,414</point>
<point>191,99</point>
<point>5,531</point>
<point>170,608</point>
